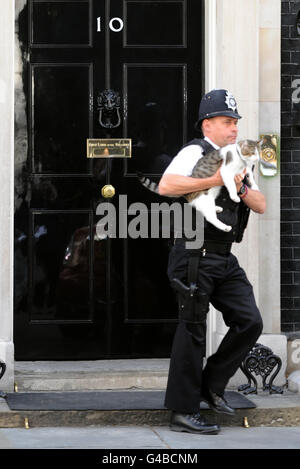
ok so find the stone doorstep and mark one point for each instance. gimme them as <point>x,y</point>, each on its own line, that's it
<point>91,381</point>
<point>271,410</point>
<point>103,375</point>
<point>91,375</point>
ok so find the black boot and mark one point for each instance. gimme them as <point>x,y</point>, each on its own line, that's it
<point>192,423</point>
<point>216,402</point>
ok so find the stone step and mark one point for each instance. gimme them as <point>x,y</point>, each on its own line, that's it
<point>91,375</point>
<point>271,410</point>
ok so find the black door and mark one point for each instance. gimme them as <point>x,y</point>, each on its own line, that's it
<point>79,295</point>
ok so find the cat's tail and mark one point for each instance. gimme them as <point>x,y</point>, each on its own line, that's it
<point>152,185</point>
<point>147,183</point>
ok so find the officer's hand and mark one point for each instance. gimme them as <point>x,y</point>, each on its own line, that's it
<point>218,178</point>
<point>238,179</point>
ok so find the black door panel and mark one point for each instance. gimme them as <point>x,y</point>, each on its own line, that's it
<point>79,295</point>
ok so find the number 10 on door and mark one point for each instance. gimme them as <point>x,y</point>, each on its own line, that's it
<point>116,24</point>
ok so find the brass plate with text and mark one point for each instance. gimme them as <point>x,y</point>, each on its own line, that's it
<point>108,148</point>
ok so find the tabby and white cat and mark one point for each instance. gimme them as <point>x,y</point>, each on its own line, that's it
<point>232,159</point>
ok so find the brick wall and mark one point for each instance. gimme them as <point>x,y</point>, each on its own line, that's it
<point>290,168</point>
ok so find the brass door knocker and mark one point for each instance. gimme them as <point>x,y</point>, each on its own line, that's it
<point>109,109</point>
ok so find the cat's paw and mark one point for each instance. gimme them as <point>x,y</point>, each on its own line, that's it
<point>235,198</point>
<point>219,209</point>
<point>223,227</point>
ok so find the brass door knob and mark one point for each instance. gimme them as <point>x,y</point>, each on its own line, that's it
<point>108,191</point>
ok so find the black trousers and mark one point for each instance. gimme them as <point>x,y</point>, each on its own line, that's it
<point>230,292</point>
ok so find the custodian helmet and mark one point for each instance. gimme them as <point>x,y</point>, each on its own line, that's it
<point>217,103</point>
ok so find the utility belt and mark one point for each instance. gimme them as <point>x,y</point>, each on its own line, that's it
<point>215,247</point>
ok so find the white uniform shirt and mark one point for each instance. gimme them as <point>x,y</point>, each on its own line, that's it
<point>184,162</point>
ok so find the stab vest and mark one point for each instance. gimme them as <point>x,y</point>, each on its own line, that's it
<point>234,214</point>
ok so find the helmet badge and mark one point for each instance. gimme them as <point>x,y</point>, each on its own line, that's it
<point>230,101</point>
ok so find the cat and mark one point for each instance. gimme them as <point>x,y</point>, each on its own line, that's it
<point>232,159</point>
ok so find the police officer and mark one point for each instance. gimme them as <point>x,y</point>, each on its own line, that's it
<point>218,278</point>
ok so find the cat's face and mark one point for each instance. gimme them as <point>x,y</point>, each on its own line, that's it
<point>249,149</point>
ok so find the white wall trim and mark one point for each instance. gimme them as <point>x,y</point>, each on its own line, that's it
<point>7,21</point>
<point>210,44</point>
<point>238,56</point>
<point>210,48</point>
